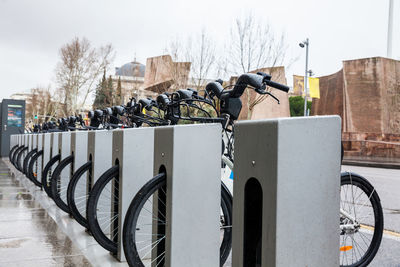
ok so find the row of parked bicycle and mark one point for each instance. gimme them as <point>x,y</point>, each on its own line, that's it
<point>91,200</point>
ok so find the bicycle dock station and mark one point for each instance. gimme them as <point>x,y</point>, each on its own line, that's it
<point>64,144</point>
<point>32,148</point>
<point>79,148</point>
<point>55,149</point>
<point>99,153</point>
<point>178,156</point>
<point>46,146</point>
<point>39,149</point>
<point>32,142</point>
<point>39,142</point>
<point>267,192</point>
<point>133,152</point>
<point>282,197</point>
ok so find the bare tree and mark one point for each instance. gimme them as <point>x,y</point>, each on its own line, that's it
<point>80,67</point>
<point>201,52</point>
<point>253,45</point>
<point>41,104</point>
<point>178,68</point>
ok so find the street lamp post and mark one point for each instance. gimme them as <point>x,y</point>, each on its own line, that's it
<point>302,45</point>
<point>390,30</point>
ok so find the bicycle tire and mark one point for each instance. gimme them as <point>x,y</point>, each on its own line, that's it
<point>46,177</point>
<point>132,215</point>
<point>10,154</point>
<point>92,203</point>
<point>74,211</point>
<point>368,189</point>
<point>14,157</point>
<point>57,191</point>
<point>19,163</point>
<point>26,162</point>
<point>31,174</point>
<point>226,204</point>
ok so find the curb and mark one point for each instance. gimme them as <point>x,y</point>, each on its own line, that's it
<point>388,165</point>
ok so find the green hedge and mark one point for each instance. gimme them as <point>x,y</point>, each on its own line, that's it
<point>297,106</point>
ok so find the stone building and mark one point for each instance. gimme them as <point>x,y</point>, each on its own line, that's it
<point>366,94</point>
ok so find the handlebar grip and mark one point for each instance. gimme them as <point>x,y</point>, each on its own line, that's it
<point>108,111</point>
<point>162,101</point>
<point>184,94</point>
<point>118,110</point>
<point>254,80</point>
<point>279,86</point>
<point>146,103</point>
<point>214,88</point>
<point>98,113</point>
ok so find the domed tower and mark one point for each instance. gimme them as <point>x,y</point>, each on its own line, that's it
<point>132,69</point>
<point>131,76</point>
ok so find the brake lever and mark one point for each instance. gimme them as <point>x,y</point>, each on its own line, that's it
<point>274,97</point>
<point>263,92</point>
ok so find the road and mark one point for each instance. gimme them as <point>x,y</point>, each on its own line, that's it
<point>387,184</point>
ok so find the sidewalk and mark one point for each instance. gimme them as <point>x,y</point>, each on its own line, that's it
<point>28,235</point>
<point>35,232</point>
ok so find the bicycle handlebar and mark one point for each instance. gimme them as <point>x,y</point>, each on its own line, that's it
<point>278,86</point>
<point>147,103</point>
<point>258,81</point>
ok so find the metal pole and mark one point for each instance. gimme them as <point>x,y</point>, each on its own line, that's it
<point>306,79</point>
<point>390,30</point>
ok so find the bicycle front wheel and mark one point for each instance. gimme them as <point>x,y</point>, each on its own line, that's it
<point>46,175</point>
<point>102,209</point>
<point>20,158</point>
<point>361,221</point>
<point>35,168</point>
<point>26,162</point>
<point>78,194</point>
<point>14,156</point>
<point>10,154</point>
<point>59,183</point>
<point>140,244</point>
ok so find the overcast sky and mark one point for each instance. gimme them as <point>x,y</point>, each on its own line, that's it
<point>32,31</point>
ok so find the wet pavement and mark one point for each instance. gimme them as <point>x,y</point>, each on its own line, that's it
<point>34,232</point>
<point>28,235</point>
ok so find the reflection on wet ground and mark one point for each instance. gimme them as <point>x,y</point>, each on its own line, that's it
<point>28,235</point>
<point>35,232</point>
